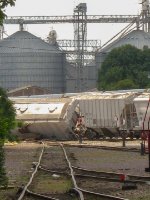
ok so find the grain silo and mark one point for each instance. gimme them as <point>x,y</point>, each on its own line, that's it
<point>137,38</point>
<point>88,78</point>
<point>27,60</point>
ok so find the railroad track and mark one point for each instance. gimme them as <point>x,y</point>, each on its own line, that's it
<point>65,168</point>
<point>110,176</point>
<point>128,149</point>
<point>101,175</point>
<point>117,148</point>
<point>38,177</point>
<point>140,181</point>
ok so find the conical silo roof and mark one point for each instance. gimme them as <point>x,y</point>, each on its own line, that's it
<point>23,41</point>
<point>137,38</point>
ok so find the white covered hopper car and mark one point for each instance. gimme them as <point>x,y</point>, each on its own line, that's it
<point>45,116</point>
<point>142,105</point>
<point>107,114</point>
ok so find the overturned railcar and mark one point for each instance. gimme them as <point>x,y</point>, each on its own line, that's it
<point>45,116</point>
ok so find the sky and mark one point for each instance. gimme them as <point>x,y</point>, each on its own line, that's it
<point>101,32</point>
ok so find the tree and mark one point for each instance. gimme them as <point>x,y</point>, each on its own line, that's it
<point>125,67</point>
<point>7,115</point>
<point>3,5</point>
<point>7,112</point>
<point>124,84</point>
<point>7,122</point>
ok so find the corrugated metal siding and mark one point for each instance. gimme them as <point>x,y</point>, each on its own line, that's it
<point>101,112</point>
<point>89,78</point>
<point>103,109</point>
<point>28,60</point>
<point>141,104</point>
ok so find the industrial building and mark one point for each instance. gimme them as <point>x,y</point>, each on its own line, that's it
<point>28,60</point>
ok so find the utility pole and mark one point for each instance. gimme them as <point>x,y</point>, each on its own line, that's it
<point>148,168</point>
<point>147,132</point>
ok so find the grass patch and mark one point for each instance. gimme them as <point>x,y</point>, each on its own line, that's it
<point>7,194</point>
<point>92,197</point>
<point>46,183</point>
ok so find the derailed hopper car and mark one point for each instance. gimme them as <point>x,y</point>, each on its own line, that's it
<point>110,115</point>
<point>45,116</point>
<point>142,105</point>
<point>107,114</point>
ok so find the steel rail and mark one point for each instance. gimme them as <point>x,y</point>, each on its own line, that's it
<point>142,178</point>
<point>135,178</point>
<point>52,171</point>
<point>104,147</point>
<point>86,191</point>
<point>40,195</point>
<point>72,174</point>
<point>102,178</point>
<point>105,196</point>
<point>80,191</point>
<point>32,176</point>
<point>138,180</point>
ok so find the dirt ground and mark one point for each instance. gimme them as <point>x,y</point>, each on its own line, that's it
<point>19,158</point>
<point>111,143</point>
<point>18,164</point>
<point>112,161</point>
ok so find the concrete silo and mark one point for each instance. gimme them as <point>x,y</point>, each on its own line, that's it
<point>27,60</point>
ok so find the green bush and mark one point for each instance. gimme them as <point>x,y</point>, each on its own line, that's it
<point>19,124</point>
<point>125,67</point>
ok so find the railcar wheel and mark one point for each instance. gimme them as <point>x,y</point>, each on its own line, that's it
<point>90,134</point>
<point>123,134</point>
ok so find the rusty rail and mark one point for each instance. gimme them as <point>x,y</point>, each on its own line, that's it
<point>40,195</point>
<point>86,191</point>
<point>105,196</point>
<point>32,176</point>
<point>132,178</point>
<point>72,174</point>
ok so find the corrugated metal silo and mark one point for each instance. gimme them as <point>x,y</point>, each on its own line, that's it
<point>27,60</point>
<point>137,38</point>
<point>89,80</point>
